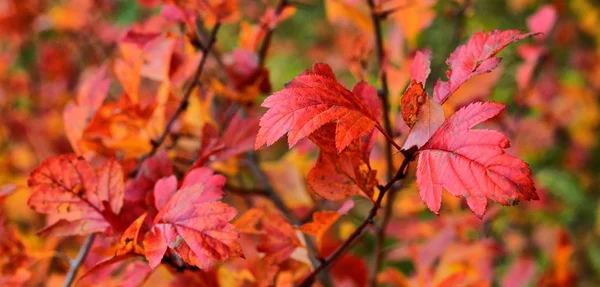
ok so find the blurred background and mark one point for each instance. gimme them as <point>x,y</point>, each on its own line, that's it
<point>550,82</point>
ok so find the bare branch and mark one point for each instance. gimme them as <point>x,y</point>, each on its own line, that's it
<point>400,175</point>
<point>188,92</point>
<point>83,252</point>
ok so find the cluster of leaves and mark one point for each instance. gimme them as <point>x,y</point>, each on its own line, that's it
<point>154,123</point>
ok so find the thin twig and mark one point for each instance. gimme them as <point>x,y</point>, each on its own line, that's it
<point>201,34</point>
<point>264,48</point>
<point>188,92</point>
<point>380,234</point>
<point>83,252</point>
<point>400,175</point>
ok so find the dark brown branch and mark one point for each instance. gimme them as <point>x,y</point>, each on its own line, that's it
<point>201,35</point>
<point>245,191</point>
<point>400,175</point>
<point>177,264</point>
<point>188,92</point>
<point>83,252</point>
<point>384,94</point>
<point>271,194</point>
<point>264,47</point>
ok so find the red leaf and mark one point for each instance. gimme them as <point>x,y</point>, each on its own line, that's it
<point>164,190</point>
<point>244,70</point>
<point>194,224</point>
<point>311,100</point>
<point>520,273</point>
<point>79,199</point>
<point>151,170</point>
<point>419,69</point>
<point>111,187</point>
<point>90,96</point>
<point>474,58</point>
<point>472,163</point>
<point>542,21</point>
<point>337,176</point>
<point>240,135</point>
<point>279,238</point>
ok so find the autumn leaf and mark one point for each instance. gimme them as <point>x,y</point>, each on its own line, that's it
<point>343,11</point>
<point>129,242</point>
<point>194,223</point>
<point>77,114</point>
<point>412,17</point>
<point>420,112</point>
<point>151,170</point>
<point>311,100</point>
<point>474,58</point>
<point>420,66</point>
<point>542,21</point>
<point>279,239</point>
<point>79,199</point>
<point>472,163</point>
<point>337,176</point>
<point>520,273</point>
<point>323,220</point>
<point>249,220</point>
<point>426,121</point>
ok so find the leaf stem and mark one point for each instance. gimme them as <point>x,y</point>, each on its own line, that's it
<point>400,175</point>
<point>83,252</point>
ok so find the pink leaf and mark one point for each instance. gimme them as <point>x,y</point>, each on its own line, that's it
<point>419,69</point>
<point>164,190</point>
<point>542,21</point>
<point>111,188</point>
<point>472,163</point>
<point>520,273</point>
<point>194,223</point>
<point>474,58</point>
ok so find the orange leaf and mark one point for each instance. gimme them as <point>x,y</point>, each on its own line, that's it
<point>337,176</point>
<point>129,239</point>
<point>279,238</point>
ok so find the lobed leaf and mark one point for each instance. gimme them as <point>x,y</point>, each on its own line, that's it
<point>472,163</point>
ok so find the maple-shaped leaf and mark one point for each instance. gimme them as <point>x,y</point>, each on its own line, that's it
<point>194,223</point>
<point>79,200</point>
<point>309,101</point>
<point>472,163</point>
<point>337,176</point>
<point>474,58</point>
